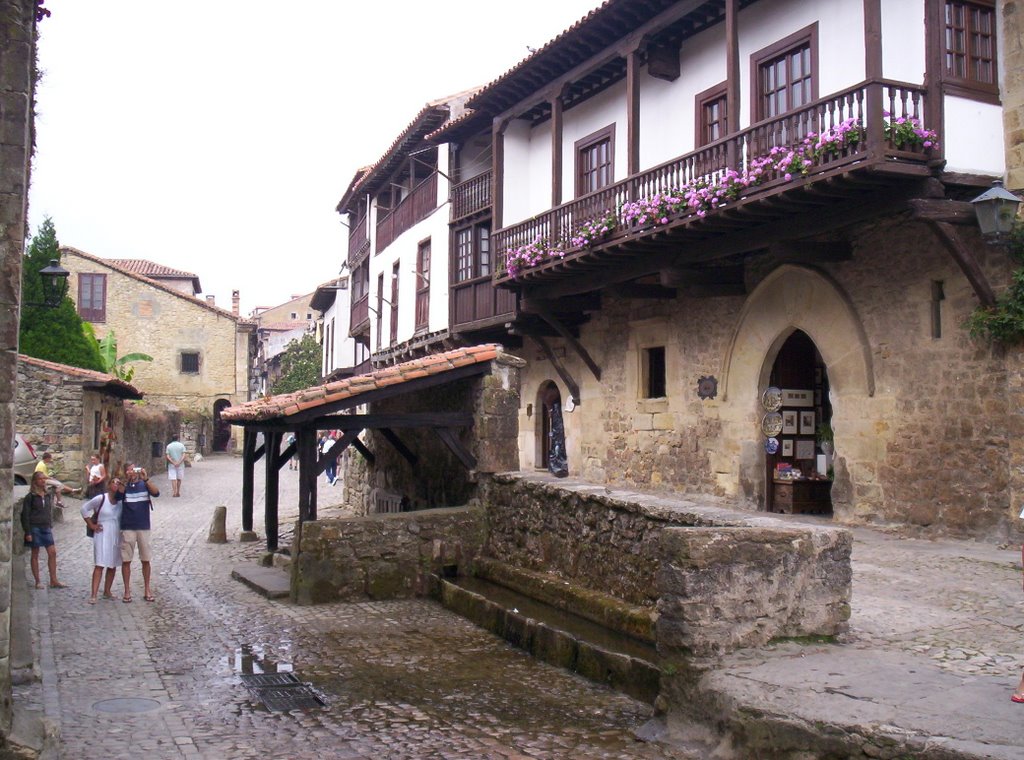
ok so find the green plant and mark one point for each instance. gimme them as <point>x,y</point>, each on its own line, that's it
<point>824,433</point>
<point>1003,322</point>
<point>119,367</point>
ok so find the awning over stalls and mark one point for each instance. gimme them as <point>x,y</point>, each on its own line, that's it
<point>325,407</point>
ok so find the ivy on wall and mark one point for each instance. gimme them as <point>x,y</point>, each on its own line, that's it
<point>1004,322</point>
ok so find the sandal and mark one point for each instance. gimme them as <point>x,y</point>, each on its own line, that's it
<point>149,598</point>
<point>127,599</point>
<point>58,584</point>
<point>92,600</point>
<point>1018,698</point>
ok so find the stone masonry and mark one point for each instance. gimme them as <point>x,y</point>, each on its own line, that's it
<point>1012,90</point>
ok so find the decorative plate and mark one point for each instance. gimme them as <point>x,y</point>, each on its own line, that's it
<point>771,399</point>
<point>771,445</point>
<point>771,424</point>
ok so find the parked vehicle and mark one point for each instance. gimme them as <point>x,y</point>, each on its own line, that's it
<point>24,460</point>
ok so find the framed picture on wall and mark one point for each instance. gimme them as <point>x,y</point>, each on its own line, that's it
<point>787,447</point>
<point>805,449</point>
<point>797,397</point>
<point>807,422</point>
<point>790,423</point>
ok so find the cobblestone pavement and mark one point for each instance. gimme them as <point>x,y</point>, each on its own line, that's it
<point>403,679</point>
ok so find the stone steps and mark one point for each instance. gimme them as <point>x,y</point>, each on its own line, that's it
<point>555,636</point>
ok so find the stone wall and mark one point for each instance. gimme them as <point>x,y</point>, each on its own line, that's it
<point>722,589</point>
<point>920,422</point>
<point>17,56</point>
<point>163,323</point>
<point>380,556</point>
<point>144,425</point>
<point>1011,53</point>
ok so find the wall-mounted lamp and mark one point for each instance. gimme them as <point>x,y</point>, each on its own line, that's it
<point>996,209</point>
<point>55,285</point>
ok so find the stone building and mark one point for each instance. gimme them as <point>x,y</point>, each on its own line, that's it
<point>276,328</point>
<point>73,413</point>
<point>202,354</point>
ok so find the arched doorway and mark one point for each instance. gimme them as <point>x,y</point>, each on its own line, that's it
<point>799,472</point>
<point>550,432</point>
<point>221,428</point>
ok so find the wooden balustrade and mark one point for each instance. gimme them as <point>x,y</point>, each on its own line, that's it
<point>471,196</point>
<point>414,207</point>
<point>360,314</point>
<point>708,165</point>
<point>358,241</point>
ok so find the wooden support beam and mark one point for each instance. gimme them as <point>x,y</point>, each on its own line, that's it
<point>451,440</point>
<point>335,451</point>
<point>367,454</point>
<point>409,420</point>
<point>550,318</point>
<point>248,475</point>
<point>570,383</point>
<point>964,257</point>
<point>306,440</point>
<point>638,290</point>
<point>272,441</point>
<point>633,108</point>
<point>807,252</point>
<point>288,453</point>
<point>938,210</point>
<point>401,448</point>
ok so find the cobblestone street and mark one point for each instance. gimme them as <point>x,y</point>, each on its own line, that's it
<point>402,679</point>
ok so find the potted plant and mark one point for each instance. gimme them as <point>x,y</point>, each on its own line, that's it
<point>825,438</point>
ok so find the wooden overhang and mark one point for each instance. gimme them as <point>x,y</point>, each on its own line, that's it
<point>326,407</point>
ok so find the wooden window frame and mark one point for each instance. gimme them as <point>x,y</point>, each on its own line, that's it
<point>704,99</point>
<point>478,262</point>
<point>968,87</point>
<point>423,284</point>
<point>806,36</point>
<point>584,144</point>
<point>380,311</point>
<point>648,380</point>
<point>393,325</point>
<point>85,283</point>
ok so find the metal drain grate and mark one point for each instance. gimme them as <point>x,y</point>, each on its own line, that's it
<point>281,692</point>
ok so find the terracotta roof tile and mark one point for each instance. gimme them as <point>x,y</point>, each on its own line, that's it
<point>273,407</point>
<point>118,386</point>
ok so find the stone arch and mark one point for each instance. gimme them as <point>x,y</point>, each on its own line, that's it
<point>545,390</point>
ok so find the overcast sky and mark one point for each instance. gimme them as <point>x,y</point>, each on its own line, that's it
<point>217,136</point>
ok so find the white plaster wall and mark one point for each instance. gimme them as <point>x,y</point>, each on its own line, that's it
<point>840,40</point>
<point>517,177</point>
<point>344,346</point>
<point>974,136</point>
<point>475,156</point>
<point>608,107</point>
<point>903,40</point>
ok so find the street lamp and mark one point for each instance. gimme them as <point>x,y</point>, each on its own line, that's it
<point>55,285</point>
<point>996,209</point>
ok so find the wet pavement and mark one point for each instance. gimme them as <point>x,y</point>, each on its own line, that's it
<point>402,679</point>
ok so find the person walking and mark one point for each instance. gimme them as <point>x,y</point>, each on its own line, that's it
<point>331,471</point>
<point>96,477</point>
<point>102,516</point>
<point>137,494</point>
<point>293,462</point>
<point>37,525</point>
<point>175,456</point>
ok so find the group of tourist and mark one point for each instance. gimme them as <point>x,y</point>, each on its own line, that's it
<point>117,517</point>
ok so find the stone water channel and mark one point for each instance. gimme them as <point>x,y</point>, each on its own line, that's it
<point>400,679</point>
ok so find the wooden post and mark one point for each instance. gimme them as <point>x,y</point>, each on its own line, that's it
<point>272,442</point>
<point>248,471</point>
<point>632,113</point>
<point>732,81</point>
<point>556,150</point>
<point>307,473</point>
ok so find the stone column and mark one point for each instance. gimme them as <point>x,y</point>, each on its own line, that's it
<point>17,54</point>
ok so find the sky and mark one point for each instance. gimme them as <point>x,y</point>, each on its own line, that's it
<point>217,136</point>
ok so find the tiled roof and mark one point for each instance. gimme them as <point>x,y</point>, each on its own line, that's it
<point>157,271</point>
<point>117,387</point>
<point>285,405</point>
<point>112,263</point>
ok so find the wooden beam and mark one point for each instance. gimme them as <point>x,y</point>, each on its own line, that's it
<point>807,252</point>
<point>633,112</point>
<point>637,290</point>
<point>306,440</point>
<point>288,453</point>
<point>689,276</point>
<point>873,39</point>
<point>335,451</point>
<point>953,212</point>
<point>248,475</point>
<point>570,383</point>
<point>451,440</point>
<point>732,77</point>
<point>272,442</point>
<point>406,420</point>
<point>964,257</point>
<point>556,150</point>
<point>550,318</point>
<point>391,437</point>
<point>367,454</point>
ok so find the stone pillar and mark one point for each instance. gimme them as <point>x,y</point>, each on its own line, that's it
<point>17,52</point>
<point>1012,90</point>
<point>496,409</point>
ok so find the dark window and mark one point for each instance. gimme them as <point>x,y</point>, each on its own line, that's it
<point>654,370</point>
<point>712,119</point>
<point>380,309</point>
<point>473,252</point>
<point>786,74</point>
<point>423,285</point>
<point>595,161</point>
<point>394,304</point>
<point>969,46</point>
<point>190,362</point>
<point>92,297</point>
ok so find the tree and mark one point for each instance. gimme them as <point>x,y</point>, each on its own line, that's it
<point>107,346</point>
<point>300,366</point>
<point>51,334</point>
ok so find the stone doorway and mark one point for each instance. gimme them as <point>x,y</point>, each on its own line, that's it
<point>798,475</point>
<point>221,428</point>
<point>550,439</point>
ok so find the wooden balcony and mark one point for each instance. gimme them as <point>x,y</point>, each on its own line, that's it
<point>471,197</point>
<point>360,319</point>
<point>358,242</point>
<point>858,170</point>
<point>414,207</point>
<point>477,303</point>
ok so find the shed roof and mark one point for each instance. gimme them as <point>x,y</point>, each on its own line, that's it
<point>360,389</point>
<point>157,271</point>
<point>89,378</point>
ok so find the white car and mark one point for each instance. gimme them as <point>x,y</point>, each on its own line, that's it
<point>24,461</point>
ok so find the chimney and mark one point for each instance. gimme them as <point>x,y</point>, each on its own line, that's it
<point>212,300</point>
<point>234,302</point>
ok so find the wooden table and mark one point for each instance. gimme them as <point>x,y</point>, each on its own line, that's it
<point>797,497</point>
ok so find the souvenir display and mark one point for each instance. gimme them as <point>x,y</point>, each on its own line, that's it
<point>771,424</point>
<point>771,399</point>
<point>771,445</point>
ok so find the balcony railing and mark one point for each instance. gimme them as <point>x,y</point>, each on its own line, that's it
<point>477,300</point>
<point>471,196</point>
<point>414,207</point>
<point>556,228</point>
<point>358,241</point>
<point>360,318</point>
